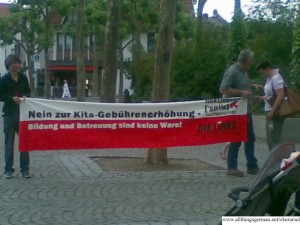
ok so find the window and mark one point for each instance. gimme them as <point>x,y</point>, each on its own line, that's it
<point>151,42</point>
<point>68,43</point>
<point>17,49</point>
<point>60,41</point>
<point>92,40</point>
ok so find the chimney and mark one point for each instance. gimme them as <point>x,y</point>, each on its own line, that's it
<point>215,13</point>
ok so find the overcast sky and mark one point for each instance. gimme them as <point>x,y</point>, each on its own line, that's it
<point>225,7</point>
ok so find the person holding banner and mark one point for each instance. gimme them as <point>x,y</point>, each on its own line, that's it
<point>236,83</point>
<point>13,86</point>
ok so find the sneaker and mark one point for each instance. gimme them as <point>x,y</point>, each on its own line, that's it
<point>253,171</point>
<point>26,174</point>
<point>235,173</point>
<point>8,175</point>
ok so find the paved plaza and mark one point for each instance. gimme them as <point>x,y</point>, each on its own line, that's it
<point>69,188</point>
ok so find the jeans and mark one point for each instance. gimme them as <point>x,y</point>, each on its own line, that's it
<point>274,135</point>
<point>234,148</point>
<point>11,127</point>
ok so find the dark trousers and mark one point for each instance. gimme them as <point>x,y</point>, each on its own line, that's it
<point>11,127</point>
<point>234,148</point>
<point>274,135</point>
<point>297,200</point>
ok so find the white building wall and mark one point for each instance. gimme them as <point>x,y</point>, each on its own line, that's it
<point>144,41</point>
<point>126,84</point>
<point>127,54</point>
<point>6,50</point>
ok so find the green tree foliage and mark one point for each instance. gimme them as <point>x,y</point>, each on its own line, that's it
<point>110,52</point>
<point>271,40</point>
<point>23,21</point>
<point>139,16</point>
<point>199,59</point>
<point>142,70</point>
<point>295,77</point>
<point>162,69</point>
<point>80,50</point>
<point>46,10</point>
<point>32,19</point>
<point>238,32</point>
<point>185,24</point>
<point>270,34</point>
<point>198,65</point>
<point>274,10</point>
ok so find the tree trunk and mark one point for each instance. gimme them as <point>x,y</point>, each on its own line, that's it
<point>95,90</point>
<point>295,75</point>
<point>29,54</point>
<point>137,47</point>
<point>30,73</point>
<point>108,84</point>
<point>47,75</point>
<point>161,82</point>
<point>46,49</point>
<point>28,48</point>
<point>237,32</point>
<point>201,4</point>
<point>121,73</point>
<point>80,56</point>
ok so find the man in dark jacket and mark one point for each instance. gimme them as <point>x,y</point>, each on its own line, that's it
<point>13,86</point>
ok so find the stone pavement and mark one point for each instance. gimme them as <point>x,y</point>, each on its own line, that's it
<point>68,188</point>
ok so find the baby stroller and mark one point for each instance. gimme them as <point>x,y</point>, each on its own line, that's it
<point>273,186</point>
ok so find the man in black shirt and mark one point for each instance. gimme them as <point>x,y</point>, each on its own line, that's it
<point>13,86</point>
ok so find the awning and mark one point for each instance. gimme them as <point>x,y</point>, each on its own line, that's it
<point>68,68</point>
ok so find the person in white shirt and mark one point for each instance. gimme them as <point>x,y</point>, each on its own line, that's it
<point>274,86</point>
<point>66,91</point>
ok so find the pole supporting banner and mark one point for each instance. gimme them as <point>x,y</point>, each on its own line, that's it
<point>68,125</point>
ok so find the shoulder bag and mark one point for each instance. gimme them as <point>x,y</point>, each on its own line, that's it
<point>289,105</point>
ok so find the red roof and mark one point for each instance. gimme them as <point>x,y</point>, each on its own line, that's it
<point>4,9</point>
<point>56,19</point>
<point>68,68</point>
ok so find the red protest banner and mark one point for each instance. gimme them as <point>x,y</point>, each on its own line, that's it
<point>63,125</point>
